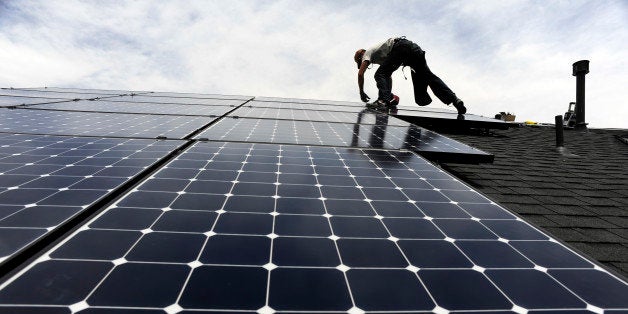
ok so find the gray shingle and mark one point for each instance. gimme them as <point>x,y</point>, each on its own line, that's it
<point>600,235</point>
<point>567,234</point>
<point>561,193</point>
<point>603,252</point>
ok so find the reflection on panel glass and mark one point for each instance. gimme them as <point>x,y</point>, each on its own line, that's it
<point>109,106</point>
<point>444,114</point>
<point>377,135</point>
<point>53,94</point>
<point>304,106</point>
<point>268,228</point>
<point>150,98</point>
<point>310,101</point>
<point>74,90</point>
<point>366,117</point>
<point>196,95</point>
<point>98,124</point>
<point>46,180</point>
<point>11,101</point>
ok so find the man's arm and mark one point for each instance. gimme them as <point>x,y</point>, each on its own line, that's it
<point>363,67</point>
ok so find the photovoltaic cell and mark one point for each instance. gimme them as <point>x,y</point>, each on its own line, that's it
<point>429,117</point>
<point>76,90</point>
<point>319,107</point>
<point>197,95</point>
<point>145,98</point>
<point>310,101</point>
<point>378,135</point>
<point>46,180</point>
<point>133,107</point>
<point>11,101</point>
<point>364,117</point>
<point>280,228</point>
<point>98,124</point>
<point>52,94</point>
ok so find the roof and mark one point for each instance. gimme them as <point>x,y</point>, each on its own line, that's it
<point>580,196</point>
<point>132,201</point>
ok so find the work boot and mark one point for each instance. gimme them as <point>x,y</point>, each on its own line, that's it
<point>394,101</point>
<point>391,106</point>
<point>459,106</point>
<point>377,105</point>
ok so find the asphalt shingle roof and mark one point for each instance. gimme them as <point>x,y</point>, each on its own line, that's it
<point>581,198</point>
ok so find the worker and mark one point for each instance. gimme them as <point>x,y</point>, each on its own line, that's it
<point>390,55</point>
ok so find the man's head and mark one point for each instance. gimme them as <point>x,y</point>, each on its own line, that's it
<point>358,57</point>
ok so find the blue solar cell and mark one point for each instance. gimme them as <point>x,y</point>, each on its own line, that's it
<point>11,101</point>
<point>316,113</point>
<point>388,290</point>
<point>378,135</point>
<point>114,106</point>
<point>48,180</point>
<point>65,94</point>
<point>463,290</point>
<point>532,289</point>
<point>164,280</point>
<point>242,288</point>
<point>242,226</point>
<point>236,250</point>
<point>326,290</point>
<point>98,124</point>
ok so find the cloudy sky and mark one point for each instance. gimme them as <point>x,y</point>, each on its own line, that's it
<point>501,55</point>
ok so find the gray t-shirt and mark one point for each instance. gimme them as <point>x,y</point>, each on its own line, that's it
<point>378,53</point>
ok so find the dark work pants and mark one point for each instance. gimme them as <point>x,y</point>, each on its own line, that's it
<point>405,52</point>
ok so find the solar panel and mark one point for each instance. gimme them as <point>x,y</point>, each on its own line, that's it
<point>75,90</point>
<point>364,116</point>
<point>378,135</point>
<point>229,227</point>
<point>310,101</point>
<point>137,107</point>
<point>318,107</point>
<point>436,117</point>
<point>47,180</point>
<point>196,95</point>
<point>52,94</point>
<point>178,100</point>
<point>98,124</point>
<point>12,101</point>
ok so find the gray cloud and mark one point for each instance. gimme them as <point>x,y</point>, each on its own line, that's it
<point>497,55</point>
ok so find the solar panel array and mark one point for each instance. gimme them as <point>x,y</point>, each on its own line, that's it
<point>448,118</point>
<point>256,210</point>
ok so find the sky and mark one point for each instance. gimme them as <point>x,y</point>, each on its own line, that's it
<point>496,55</point>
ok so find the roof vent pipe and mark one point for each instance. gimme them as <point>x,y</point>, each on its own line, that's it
<point>560,139</point>
<point>580,69</point>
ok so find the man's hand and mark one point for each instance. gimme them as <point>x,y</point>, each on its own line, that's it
<point>364,97</point>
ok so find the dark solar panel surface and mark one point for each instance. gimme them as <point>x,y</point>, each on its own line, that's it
<point>280,228</point>
<point>52,94</point>
<point>315,114</point>
<point>11,101</point>
<point>46,180</point>
<point>347,220</point>
<point>378,135</point>
<point>196,95</point>
<point>446,118</point>
<point>442,114</point>
<point>137,107</point>
<point>310,101</point>
<point>75,90</point>
<point>98,124</point>
<point>178,100</point>
<point>318,107</point>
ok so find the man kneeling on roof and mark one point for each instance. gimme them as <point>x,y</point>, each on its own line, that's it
<point>390,55</point>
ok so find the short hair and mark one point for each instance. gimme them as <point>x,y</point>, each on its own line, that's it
<point>358,57</point>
